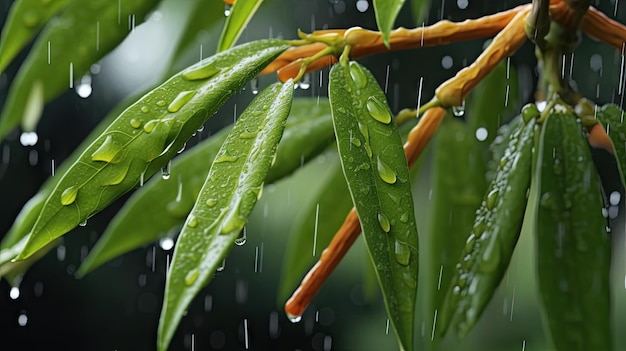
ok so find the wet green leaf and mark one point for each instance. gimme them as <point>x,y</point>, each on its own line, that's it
<point>458,187</point>
<point>498,146</point>
<point>489,246</point>
<point>376,170</point>
<point>69,44</point>
<point>145,137</point>
<point>386,13</point>
<point>161,206</point>
<point>229,194</point>
<point>313,229</point>
<point>612,118</point>
<point>24,21</point>
<point>240,14</point>
<point>573,247</point>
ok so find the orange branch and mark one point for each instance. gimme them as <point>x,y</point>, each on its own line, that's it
<point>350,229</point>
<point>600,27</point>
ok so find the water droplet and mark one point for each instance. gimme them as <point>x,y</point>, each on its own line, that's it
<point>135,123</point>
<point>386,173</point>
<point>529,111</point>
<point>492,199</point>
<point>165,171</point>
<point>459,111</point>
<point>107,150</point>
<point>356,141</point>
<point>14,293</point>
<point>22,320</point>
<point>243,237</point>
<point>384,222</point>
<point>192,276</point>
<point>144,109</point>
<point>29,138</point>
<point>160,103</point>
<point>225,157</point>
<point>404,217</point>
<point>180,100</point>
<point>83,223</point>
<point>182,148</point>
<point>117,174</point>
<point>469,243</point>
<point>378,111</point>
<point>166,243</point>
<point>254,86</point>
<point>491,256</point>
<point>227,10</point>
<point>211,202</point>
<point>305,83</point>
<point>357,75</point>
<point>31,19</point>
<point>200,72</point>
<point>149,126</point>
<point>294,319</point>
<point>69,195</point>
<point>192,222</point>
<point>368,149</point>
<point>402,253</point>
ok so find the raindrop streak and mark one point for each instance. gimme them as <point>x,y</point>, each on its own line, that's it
<point>386,173</point>
<point>378,111</point>
<point>317,212</point>
<point>245,333</point>
<point>180,100</point>
<point>384,223</point>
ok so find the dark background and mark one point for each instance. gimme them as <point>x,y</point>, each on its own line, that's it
<point>117,306</point>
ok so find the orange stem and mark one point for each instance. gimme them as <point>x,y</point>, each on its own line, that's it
<point>453,91</point>
<point>350,229</point>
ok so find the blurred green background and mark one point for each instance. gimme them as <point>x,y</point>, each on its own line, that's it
<point>117,306</point>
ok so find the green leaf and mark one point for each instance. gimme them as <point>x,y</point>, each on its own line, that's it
<point>386,13</point>
<point>24,21</point>
<point>83,33</point>
<point>308,131</point>
<point>225,202</point>
<point>419,9</point>
<point>490,245</point>
<point>458,187</point>
<point>573,247</point>
<point>612,118</point>
<point>313,229</point>
<point>145,137</point>
<point>240,14</point>
<point>377,174</point>
<point>498,146</point>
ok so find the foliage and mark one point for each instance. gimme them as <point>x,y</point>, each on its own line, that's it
<point>492,175</point>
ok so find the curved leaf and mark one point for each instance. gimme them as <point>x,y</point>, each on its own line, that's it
<point>305,135</point>
<point>573,247</point>
<point>240,14</point>
<point>145,137</point>
<point>225,202</point>
<point>612,118</point>
<point>489,247</point>
<point>83,33</point>
<point>386,13</point>
<point>458,187</point>
<point>376,170</point>
<point>25,20</point>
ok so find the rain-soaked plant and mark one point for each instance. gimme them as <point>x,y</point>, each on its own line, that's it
<point>538,169</point>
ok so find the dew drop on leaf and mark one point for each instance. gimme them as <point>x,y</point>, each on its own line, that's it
<point>69,195</point>
<point>386,173</point>
<point>135,123</point>
<point>192,276</point>
<point>384,223</point>
<point>180,100</point>
<point>107,151</point>
<point>378,111</point>
<point>357,75</point>
<point>402,253</point>
<point>198,73</point>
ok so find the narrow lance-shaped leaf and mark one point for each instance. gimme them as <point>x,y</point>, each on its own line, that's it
<point>376,170</point>
<point>83,33</point>
<point>145,137</point>
<point>612,118</point>
<point>573,247</point>
<point>228,196</point>
<point>489,246</point>
<point>25,20</point>
<point>386,12</point>
<point>419,9</point>
<point>240,14</point>
<point>313,228</point>
<point>308,131</point>
<point>458,187</point>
